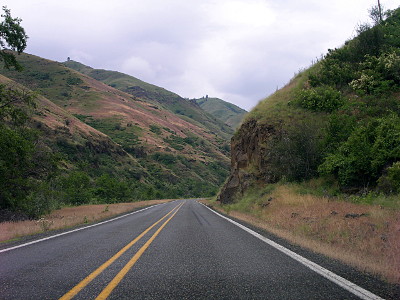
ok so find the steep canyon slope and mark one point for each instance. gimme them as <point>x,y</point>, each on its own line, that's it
<point>338,121</point>
<point>172,151</point>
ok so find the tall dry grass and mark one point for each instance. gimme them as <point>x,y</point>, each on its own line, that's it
<point>69,217</point>
<point>365,236</point>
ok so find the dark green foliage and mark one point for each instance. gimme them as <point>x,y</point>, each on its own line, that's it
<point>389,182</point>
<point>176,142</point>
<point>16,161</point>
<point>339,128</point>
<point>110,189</point>
<point>156,129</point>
<point>25,162</point>
<point>72,80</point>
<point>321,98</point>
<point>127,136</point>
<point>295,154</point>
<point>13,37</point>
<point>370,40</point>
<point>378,74</point>
<point>391,29</point>
<point>164,158</point>
<point>337,69</point>
<point>360,160</point>
<point>176,176</point>
<point>15,104</point>
<point>76,187</point>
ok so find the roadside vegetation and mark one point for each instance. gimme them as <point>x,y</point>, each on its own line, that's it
<point>360,230</point>
<point>328,178</point>
<point>68,217</point>
<point>341,117</point>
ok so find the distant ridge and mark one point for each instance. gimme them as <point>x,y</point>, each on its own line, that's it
<point>229,113</point>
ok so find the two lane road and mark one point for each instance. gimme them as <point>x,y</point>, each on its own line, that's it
<point>177,250</point>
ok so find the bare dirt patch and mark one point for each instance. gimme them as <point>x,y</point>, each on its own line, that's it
<point>69,217</point>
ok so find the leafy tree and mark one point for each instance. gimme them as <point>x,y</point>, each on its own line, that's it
<point>76,187</point>
<point>25,162</point>
<point>12,37</point>
<point>110,189</point>
<point>360,160</point>
<point>15,104</point>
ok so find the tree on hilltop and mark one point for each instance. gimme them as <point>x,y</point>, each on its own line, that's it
<point>12,37</point>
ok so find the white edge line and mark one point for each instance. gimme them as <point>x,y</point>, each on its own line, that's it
<point>78,229</point>
<point>344,283</point>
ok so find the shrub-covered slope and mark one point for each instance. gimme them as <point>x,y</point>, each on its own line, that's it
<point>225,111</point>
<point>339,120</point>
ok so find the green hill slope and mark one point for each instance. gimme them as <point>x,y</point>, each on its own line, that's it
<point>338,121</point>
<point>166,155</point>
<point>227,112</point>
<point>156,95</point>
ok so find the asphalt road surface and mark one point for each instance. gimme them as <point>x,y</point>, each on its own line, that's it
<point>177,250</point>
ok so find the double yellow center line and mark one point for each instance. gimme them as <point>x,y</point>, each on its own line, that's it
<point>117,279</point>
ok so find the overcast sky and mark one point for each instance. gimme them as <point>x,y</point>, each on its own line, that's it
<point>238,50</point>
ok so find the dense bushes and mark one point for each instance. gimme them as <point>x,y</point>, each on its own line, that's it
<point>25,162</point>
<point>356,90</point>
<point>378,74</point>
<point>360,160</point>
<point>321,98</point>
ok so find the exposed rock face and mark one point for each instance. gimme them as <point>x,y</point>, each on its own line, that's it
<point>248,159</point>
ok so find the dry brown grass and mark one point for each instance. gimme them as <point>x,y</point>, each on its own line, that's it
<point>69,217</point>
<point>365,236</point>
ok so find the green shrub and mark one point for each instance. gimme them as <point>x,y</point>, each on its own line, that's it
<point>109,189</point>
<point>156,129</point>
<point>360,160</point>
<point>390,181</point>
<point>77,188</point>
<point>338,130</point>
<point>322,98</point>
<point>336,69</point>
<point>378,75</point>
<point>72,80</point>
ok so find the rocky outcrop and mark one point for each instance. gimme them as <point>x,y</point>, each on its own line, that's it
<point>248,159</point>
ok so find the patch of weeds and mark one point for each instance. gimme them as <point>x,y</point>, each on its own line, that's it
<point>304,229</point>
<point>373,198</point>
<point>45,224</point>
<point>155,129</point>
<point>320,187</point>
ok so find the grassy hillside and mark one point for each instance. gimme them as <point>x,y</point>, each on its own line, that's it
<point>225,111</point>
<point>55,158</point>
<point>346,108</point>
<point>147,151</point>
<point>156,95</point>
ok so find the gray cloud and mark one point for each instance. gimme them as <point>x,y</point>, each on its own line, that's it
<point>238,50</point>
